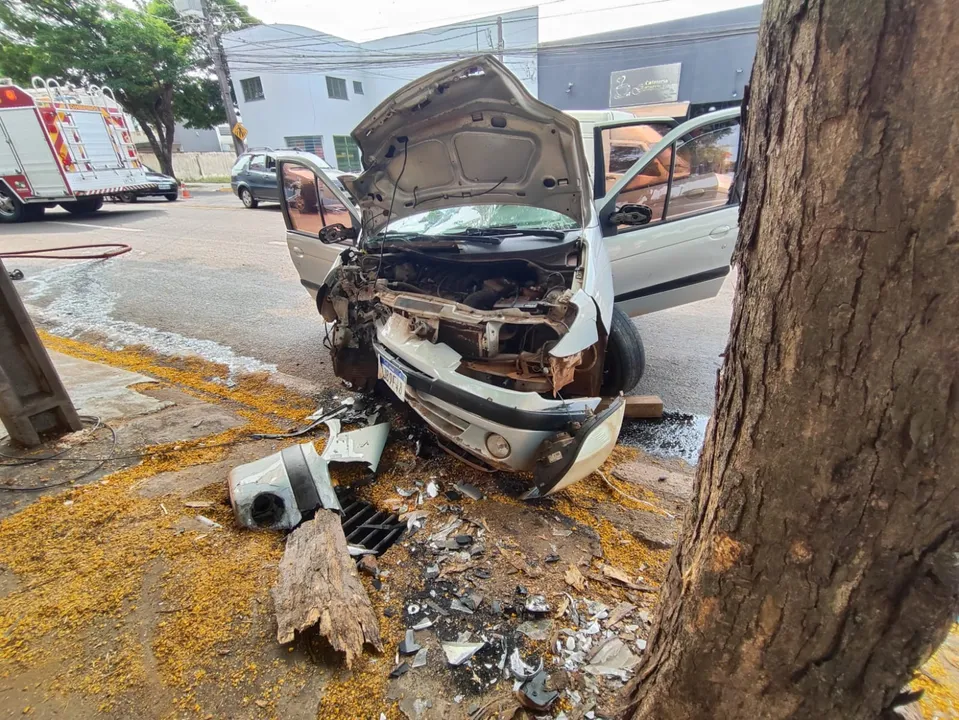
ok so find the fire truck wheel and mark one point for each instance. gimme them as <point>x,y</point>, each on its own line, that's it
<point>11,209</point>
<point>83,207</point>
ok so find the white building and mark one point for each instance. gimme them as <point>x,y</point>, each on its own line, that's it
<point>297,87</point>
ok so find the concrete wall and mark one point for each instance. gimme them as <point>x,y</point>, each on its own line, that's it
<point>193,166</point>
<point>293,62</point>
<point>713,70</point>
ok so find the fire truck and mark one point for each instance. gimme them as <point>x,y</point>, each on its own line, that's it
<point>61,145</point>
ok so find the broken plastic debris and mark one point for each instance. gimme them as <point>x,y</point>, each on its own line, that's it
<point>409,646</point>
<point>460,606</point>
<point>419,660</point>
<point>423,624</point>
<point>520,669</point>
<point>612,659</point>
<point>405,493</point>
<point>458,653</point>
<point>209,523</point>
<point>536,629</point>
<point>412,608</point>
<point>432,489</point>
<point>470,491</point>
<point>537,604</point>
<point>534,695</point>
<point>400,670</point>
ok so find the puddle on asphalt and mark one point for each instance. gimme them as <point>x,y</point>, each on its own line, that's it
<point>673,435</point>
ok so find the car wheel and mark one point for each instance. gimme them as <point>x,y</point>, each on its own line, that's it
<point>171,197</point>
<point>625,356</point>
<point>247,198</point>
<point>11,209</point>
<point>127,197</point>
<point>84,206</point>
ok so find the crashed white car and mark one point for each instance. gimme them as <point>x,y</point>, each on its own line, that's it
<point>478,278</point>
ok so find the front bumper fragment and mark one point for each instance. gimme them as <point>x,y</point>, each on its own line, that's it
<point>567,458</point>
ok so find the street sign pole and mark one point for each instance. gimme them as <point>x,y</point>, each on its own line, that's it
<point>33,401</point>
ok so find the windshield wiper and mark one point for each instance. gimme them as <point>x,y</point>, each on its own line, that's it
<point>508,231</point>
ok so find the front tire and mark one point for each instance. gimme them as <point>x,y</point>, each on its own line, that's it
<point>86,206</point>
<point>172,197</point>
<point>127,197</point>
<point>625,356</point>
<point>246,197</point>
<point>11,209</point>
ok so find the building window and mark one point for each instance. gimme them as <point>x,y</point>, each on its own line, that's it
<point>252,89</point>
<point>307,143</point>
<point>336,88</point>
<point>357,87</point>
<point>347,154</point>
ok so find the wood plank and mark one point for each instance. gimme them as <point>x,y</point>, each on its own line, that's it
<point>318,584</point>
<point>644,406</point>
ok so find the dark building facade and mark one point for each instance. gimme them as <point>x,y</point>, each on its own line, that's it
<point>704,61</point>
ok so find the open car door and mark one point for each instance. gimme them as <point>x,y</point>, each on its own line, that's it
<point>669,219</point>
<point>312,201</point>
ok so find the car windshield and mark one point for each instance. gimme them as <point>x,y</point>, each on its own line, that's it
<point>477,217</point>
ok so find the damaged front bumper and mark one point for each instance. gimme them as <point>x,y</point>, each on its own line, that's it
<point>493,428</point>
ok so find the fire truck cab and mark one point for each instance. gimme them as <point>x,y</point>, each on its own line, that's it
<point>64,146</point>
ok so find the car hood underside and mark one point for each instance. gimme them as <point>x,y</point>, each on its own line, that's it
<point>469,133</point>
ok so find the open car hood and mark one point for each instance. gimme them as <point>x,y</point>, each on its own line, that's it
<point>468,134</point>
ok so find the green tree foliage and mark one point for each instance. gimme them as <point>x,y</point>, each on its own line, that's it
<point>156,63</point>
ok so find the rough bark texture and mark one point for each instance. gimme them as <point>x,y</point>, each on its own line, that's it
<point>319,584</point>
<point>818,563</point>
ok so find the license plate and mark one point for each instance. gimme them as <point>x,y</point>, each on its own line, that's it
<point>394,378</point>
<point>166,187</point>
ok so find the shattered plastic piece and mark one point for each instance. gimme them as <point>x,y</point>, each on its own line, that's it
<point>400,670</point>
<point>641,644</point>
<point>482,573</point>
<point>460,606</point>
<point>472,600</point>
<point>437,608</point>
<point>363,445</point>
<point>209,523</point>
<point>536,629</point>
<point>464,540</point>
<point>552,558</point>
<point>423,624</point>
<point>612,659</point>
<point>404,492</point>
<point>357,551</point>
<point>432,489</point>
<point>458,653</point>
<point>620,612</point>
<point>470,491</point>
<point>537,604</point>
<point>432,572</point>
<point>409,646</point>
<point>419,660</point>
<point>496,607</point>
<point>534,695</point>
<point>520,669</point>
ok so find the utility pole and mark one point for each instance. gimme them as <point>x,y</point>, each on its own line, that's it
<point>499,37</point>
<point>33,401</point>
<point>219,65</point>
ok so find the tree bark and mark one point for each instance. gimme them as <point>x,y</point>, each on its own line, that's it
<point>817,567</point>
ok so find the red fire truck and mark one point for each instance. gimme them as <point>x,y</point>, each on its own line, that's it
<point>61,145</point>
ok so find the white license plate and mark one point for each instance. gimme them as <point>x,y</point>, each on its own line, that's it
<point>394,378</point>
<point>166,187</point>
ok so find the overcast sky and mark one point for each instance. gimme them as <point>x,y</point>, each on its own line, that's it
<point>559,19</point>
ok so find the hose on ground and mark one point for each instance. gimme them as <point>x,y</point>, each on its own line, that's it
<point>44,253</point>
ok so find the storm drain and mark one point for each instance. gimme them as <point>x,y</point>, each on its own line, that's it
<point>367,527</point>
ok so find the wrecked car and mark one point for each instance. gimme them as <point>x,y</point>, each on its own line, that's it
<point>468,268</point>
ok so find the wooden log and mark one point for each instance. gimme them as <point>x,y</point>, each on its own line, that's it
<point>318,584</point>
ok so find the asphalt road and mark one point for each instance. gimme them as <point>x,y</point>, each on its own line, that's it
<point>211,277</point>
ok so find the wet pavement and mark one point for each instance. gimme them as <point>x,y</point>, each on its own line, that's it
<point>674,435</point>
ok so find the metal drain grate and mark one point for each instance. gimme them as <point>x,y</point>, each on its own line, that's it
<point>367,527</point>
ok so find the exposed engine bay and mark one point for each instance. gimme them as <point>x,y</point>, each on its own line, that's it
<point>503,315</point>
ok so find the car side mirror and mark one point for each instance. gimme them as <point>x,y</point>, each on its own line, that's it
<point>631,214</point>
<point>336,232</point>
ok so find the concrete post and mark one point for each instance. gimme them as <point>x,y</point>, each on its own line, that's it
<point>33,401</point>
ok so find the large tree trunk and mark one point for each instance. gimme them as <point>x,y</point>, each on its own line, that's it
<point>818,563</point>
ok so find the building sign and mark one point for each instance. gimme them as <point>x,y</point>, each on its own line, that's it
<point>642,86</point>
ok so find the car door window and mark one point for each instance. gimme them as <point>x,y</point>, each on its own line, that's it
<point>705,170</point>
<point>623,146</point>
<point>258,163</point>
<point>310,204</point>
<point>270,164</point>
<point>649,187</point>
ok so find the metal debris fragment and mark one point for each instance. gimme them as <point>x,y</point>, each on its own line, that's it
<point>470,491</point>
